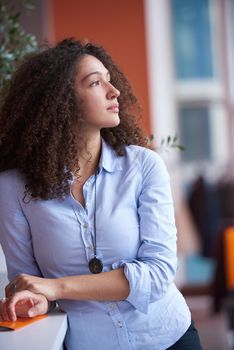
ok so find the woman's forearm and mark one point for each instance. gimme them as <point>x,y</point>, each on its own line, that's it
<point>111,285</point>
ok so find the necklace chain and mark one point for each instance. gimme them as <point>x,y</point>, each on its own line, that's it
<point>95,264</point>
<point>95,215</point>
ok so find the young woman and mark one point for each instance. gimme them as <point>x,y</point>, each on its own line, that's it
<point>86,209</point>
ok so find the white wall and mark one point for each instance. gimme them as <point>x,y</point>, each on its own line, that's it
<point>3,273</point>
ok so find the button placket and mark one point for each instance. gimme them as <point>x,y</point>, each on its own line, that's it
<point>88,232</point>
<point>120,326</point>
<point>87,191</point>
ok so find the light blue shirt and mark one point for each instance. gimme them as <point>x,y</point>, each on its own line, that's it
<point>135,229</point>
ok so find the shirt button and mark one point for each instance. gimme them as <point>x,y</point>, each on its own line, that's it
<point>120,324</point>
<point>85,225</point>
<point>111,306</point>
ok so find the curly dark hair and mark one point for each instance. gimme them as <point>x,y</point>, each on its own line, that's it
<point>40,109</point>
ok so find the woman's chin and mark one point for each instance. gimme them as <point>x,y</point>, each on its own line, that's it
<point>114,122</point>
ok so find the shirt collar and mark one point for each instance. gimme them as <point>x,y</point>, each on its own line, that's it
<point>109,159</point>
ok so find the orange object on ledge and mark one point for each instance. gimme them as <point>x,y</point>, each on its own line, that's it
<point>229,257</point>
<point>19,323</point>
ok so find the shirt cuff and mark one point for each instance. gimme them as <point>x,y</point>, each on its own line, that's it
<point>138,276</point>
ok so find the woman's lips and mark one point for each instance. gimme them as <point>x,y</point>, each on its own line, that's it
<point>114,108</point>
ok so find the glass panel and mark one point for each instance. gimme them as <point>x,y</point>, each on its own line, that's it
<point>195,132</point>
<point>192,38</point>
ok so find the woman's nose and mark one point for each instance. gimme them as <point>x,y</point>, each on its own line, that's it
<point>113,92</point>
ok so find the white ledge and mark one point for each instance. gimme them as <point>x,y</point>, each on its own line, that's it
<point>46,334</point>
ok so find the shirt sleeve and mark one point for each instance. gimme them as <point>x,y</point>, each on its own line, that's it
<point>15,235</point>
<point>154,268</point>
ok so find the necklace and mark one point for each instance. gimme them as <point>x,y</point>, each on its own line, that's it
<point>95,264</point>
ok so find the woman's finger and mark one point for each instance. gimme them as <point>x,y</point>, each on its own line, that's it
<point>4,310</point>
<point>10,309</point>
<point>11,288</point>
<point>17,298</point>
<point>36,310</point>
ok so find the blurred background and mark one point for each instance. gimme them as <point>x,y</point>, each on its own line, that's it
<point>179,58</point>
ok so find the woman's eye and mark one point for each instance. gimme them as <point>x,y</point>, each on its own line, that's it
<point>94,83</point>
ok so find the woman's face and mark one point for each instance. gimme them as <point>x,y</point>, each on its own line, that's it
<point>98,95</point>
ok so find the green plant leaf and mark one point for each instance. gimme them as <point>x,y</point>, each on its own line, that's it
<point>14,42</point>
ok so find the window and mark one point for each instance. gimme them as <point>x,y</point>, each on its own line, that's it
<point>192,39</point>
<point>195,132</point>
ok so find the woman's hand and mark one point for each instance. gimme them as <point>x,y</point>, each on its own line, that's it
<point>49,287</point>
<point>23,304</point>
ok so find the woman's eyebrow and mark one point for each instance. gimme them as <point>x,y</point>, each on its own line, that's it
<point>92,73</point>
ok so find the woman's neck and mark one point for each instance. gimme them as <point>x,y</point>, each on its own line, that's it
<point>89,157</point>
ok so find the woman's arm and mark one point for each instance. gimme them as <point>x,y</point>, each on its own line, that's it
<point>16,241</point>
<point>111,285</point>
<point>152,272</point>
<point>34,292</point>
<point>15,234</point>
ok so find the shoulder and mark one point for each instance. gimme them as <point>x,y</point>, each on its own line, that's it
<point>11,181</point>
<point>147,162</point>
<point>144,157</point>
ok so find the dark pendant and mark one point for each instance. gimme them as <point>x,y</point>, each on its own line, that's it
<point>95,265</point>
